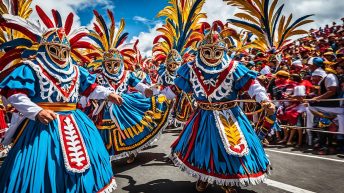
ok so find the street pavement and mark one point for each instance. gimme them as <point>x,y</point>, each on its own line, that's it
<point>293,171</point>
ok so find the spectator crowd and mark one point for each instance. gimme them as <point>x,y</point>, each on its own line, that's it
<point>306,81</point>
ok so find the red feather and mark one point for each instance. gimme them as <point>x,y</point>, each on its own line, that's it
<point>96,13</point>
<point>159,49</point>
<point>191,41</point>
<point>55,16</point>
<point>98,30</point>
<point>127,50</point>
<point>135,44</point>
<point>128,55</point>
<point>93,55</point>
<point>69,23</point>
<point>77,37</point>
<point>183,3</point>
<point>217,24</point>
<point>122,41</point>
<point>15,6</point>
<point>205,26</point>
<point>160,57</point>
<point>33,37</point>
<point>111,16</point>
<point>84,59</point>
<point>44,17</point>
<point>157,38</point>
<point>9,57</point>
<point>82,44</point>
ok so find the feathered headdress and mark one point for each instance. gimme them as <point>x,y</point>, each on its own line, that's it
<point>180,29</point>
<point>105,37</point>
<point>267,23</point>
<point>13,7</point>
<point>132,56</point>
<point>34,35</point>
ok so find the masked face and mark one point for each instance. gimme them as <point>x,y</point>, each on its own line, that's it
<point>173,61</point>
<point>58,53</point>
<point>211,55</point>
<point>57,47</point>
<point>172,67</point>
<point>112,66</point>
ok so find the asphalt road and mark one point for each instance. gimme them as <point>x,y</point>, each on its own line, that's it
<point>293,171</point>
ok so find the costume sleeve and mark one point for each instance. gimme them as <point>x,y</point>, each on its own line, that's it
<point>243,77</point>
<point>182,81</point>
<point>141,87</point>
<point>23,104</point>
<point>257,91</point>
<point>133,80</point>
<point>245,80</point>
<point>99,93</point>
<point>21,80</point>
<point>87,82</point>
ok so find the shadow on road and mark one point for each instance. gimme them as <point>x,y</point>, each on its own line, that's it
<point>141,160</point>
<point>169,186</point>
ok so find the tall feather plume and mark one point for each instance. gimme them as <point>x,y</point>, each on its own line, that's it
<point>182,21</point>
<point>266,22</point>
<point>104,37</point>
<point>45,19</point>
<point>57,18</point>
<point>69,23</point>
<point>112,27</point>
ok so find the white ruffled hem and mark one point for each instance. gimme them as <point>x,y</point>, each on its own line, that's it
<point>219,181</point>
<point>110,187</point>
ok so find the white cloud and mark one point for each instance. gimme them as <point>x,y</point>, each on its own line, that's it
<point>325,11</point>
<point>217,10</point>
<point>146,40</point>
<point>140,19</point>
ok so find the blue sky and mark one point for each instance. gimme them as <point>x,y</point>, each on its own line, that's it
<point>139,15</point>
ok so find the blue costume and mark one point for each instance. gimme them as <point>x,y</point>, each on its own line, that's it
<point>218,144</point>
<point>183,103</point>
<point>66,154</point>
<point>134,125</point>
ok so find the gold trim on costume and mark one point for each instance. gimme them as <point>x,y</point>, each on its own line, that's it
<point>58,107</point>
<point>218,106</point>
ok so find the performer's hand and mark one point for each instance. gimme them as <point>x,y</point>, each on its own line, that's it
<point>148,93</point>
<point>115,98</point>
<point>46,116</point>
<point>269,107</point>
<point>316,99</point>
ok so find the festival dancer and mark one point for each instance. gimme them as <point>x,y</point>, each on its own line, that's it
<point>178,41</point>
<point>56,148</point>
<point>139,121</point>
<point>218,144</point>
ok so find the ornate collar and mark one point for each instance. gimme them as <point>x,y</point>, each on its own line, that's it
<point>210,87</point>
<point>224,65</point>
<point>116,83</point>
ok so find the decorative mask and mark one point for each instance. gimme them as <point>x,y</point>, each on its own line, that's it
<point>113,61</point>
<point>173,61</point>
<point>57,46</point>
<point>212,49</point>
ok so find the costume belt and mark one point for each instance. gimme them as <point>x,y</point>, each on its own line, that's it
<point>217,106</point>
<point>58,106</point>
